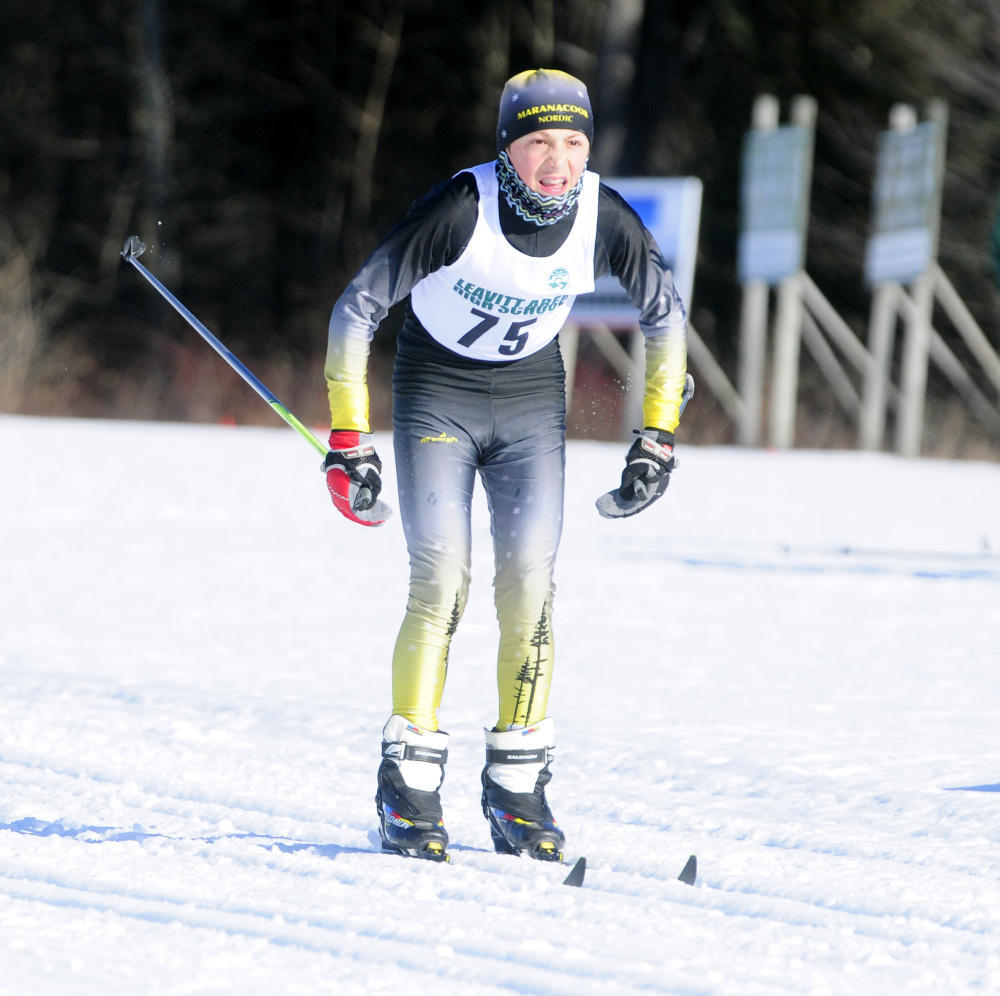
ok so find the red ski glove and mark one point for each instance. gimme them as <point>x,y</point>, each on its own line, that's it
<point>353,476</point>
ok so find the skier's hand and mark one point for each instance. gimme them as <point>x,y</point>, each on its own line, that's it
<point>648,465</point>
<point>354,478</point>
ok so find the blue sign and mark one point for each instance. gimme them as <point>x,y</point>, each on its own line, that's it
<point>670,207</point>
<point>777,171</point>
<point>909,172</point>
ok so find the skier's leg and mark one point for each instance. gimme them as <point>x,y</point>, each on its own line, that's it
<point>523,479</point>
<point>523,474</point>
<point>435,467</point>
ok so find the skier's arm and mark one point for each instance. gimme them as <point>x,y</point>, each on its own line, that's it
<point>626,248</point>
<point>433,234</point>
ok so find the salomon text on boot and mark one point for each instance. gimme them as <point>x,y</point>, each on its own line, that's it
<point>514,780</point>
<point>408,801</point>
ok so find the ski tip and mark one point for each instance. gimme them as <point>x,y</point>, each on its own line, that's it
<point>133,248</point>
<point>690,871</point>
<point>575,877</point>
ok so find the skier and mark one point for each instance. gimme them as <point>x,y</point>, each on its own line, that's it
<point>492,260</point>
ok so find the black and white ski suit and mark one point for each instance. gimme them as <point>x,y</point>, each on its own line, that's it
<point>489,401</point>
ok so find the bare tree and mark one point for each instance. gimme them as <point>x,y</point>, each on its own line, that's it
<point>18,330</point>
<point>616,76</point>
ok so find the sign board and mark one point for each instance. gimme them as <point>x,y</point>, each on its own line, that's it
<point>774,201</point>
<point>907,203</point>
<point>670,207</point>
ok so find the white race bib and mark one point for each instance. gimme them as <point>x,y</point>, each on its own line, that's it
<point>495,303</point>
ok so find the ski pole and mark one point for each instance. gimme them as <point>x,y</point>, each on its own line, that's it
<point>132,251</point>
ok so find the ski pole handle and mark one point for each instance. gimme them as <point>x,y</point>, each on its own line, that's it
<point>131,253</point>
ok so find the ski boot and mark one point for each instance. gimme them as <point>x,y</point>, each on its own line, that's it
<point>514,780</point>
<point>407,800</point>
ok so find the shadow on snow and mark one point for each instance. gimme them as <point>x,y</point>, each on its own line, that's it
<point>106,835</point>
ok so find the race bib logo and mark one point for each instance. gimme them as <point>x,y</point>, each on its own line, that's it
<point>559,279</point>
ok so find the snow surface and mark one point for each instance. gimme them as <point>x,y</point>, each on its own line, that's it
<point>788,667</point>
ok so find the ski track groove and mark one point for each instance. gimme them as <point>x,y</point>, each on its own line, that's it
<point>366,941</point>
<point>625,880</point>
<point>328,936</point>
<point>709,894</point>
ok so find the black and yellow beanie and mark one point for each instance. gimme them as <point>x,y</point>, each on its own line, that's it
<point>543,98</point>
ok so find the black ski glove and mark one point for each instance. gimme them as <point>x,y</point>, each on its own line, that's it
<point>648,465</point>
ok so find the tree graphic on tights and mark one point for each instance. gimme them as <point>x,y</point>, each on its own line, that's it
<point>531,671</point>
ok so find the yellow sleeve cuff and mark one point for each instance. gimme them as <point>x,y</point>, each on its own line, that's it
<point>347,380</point>
<point>666,372</point>
<point>348,405</point>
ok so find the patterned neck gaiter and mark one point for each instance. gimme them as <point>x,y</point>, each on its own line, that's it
<point>526,202</point>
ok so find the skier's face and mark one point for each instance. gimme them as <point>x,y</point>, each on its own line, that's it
<point>550,162</point>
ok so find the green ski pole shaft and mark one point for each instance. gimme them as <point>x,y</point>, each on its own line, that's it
<point>131,253</point>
